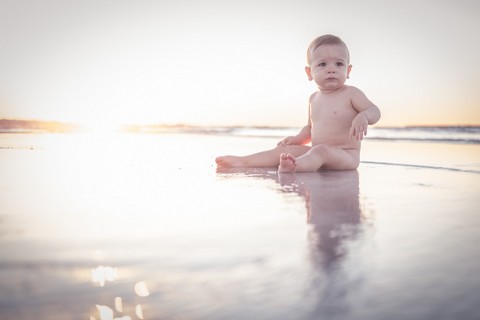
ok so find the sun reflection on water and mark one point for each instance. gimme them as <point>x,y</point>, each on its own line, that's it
<point>118,304</point>
<point>139,311</point>
<point>103,274</point>
<point>141,289</point>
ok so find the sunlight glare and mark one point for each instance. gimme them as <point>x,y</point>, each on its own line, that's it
<point>141,289</point>
<point>118,304</point>
<point>138,311</point>
<point>105,312</point>
<point>101,127</point>
<point>103,274</point>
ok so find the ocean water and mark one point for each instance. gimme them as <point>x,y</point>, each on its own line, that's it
<point>103,226</point>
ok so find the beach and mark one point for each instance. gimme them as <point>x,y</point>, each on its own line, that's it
<point>144,226</point>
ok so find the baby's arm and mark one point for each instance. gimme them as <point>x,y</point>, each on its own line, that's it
<point>368,114</point>
<point>303,137</point>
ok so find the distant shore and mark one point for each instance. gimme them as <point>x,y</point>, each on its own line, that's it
<point>21,126</point>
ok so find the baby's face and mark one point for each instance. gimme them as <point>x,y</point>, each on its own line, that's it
<point>329,67</point>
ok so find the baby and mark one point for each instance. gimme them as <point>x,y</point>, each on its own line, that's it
<point>338,118</point>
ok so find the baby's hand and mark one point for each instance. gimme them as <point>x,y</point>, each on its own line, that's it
<point>287,141</point>
<point>359,127</point>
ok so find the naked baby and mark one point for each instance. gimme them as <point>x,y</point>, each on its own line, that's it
<point>339,116</point>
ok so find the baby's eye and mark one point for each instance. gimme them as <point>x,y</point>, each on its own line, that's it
<point>322,64</point>
<point>340,64</point>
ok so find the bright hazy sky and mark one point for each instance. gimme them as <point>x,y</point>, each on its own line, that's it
<point>233,62</point>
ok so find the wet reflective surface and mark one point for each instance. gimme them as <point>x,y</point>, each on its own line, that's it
<point>145,227</point>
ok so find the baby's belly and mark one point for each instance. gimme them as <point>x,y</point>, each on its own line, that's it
<point>343,142</point>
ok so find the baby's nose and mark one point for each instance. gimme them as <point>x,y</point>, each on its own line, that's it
<point>331,69</point>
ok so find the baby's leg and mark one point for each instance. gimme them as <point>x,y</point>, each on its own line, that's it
<point>269,158</point>
<point>322,156</point>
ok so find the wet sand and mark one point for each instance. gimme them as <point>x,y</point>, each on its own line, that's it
<point>145,226</point>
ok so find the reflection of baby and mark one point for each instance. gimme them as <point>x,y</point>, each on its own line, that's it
<point>332,202</point>
<point>333,209</point>
<point>333,217</point>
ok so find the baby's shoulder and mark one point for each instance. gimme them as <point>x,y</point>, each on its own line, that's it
<point>314,95</point>
<point>351,89</point>
<point>353,93</point>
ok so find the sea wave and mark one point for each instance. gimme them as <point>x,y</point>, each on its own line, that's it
<point>457,134</point>
<point>421,166</point>
<point>445,134</point>
<point>440,134</point>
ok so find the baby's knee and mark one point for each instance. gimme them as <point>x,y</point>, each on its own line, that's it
<point>321,150</point>
<point>294,149</point>
<point>285,149</point>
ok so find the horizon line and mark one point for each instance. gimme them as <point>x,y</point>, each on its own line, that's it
<point>80,125</point>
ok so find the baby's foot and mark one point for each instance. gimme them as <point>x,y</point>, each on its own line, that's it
<point>229,161</point>
<point>287,163</point>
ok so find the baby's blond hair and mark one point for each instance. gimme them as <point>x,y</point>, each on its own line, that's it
<point>326,39</point>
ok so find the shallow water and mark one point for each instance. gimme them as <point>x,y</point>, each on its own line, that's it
<point>143,226</point>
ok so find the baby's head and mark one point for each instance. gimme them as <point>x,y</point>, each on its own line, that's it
<point>328,62</point>
<point>327,39</point>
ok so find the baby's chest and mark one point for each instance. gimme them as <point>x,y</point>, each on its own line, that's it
<point>332,111</point>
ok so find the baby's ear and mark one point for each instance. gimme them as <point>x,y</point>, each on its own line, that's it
<point>309,73</point>
<point>349,68</point>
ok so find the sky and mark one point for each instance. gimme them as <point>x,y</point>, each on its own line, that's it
<point>221,62</point>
